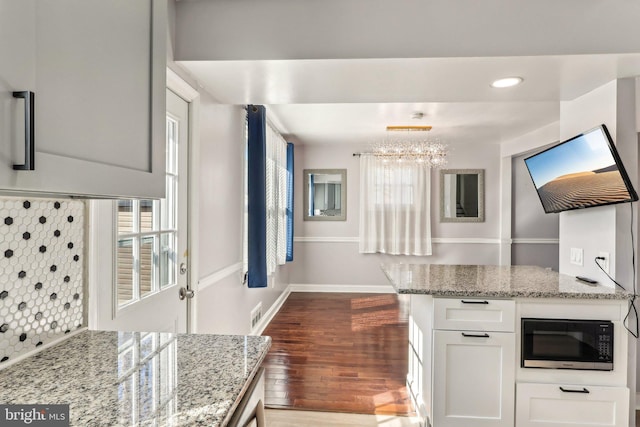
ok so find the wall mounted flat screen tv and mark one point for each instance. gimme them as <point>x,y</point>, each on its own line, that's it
<point>582,172</point>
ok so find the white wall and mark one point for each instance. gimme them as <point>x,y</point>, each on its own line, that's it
<point>603,228</point>
<point>534,233</point>
<point>326,253</point>
<point>223,303</point>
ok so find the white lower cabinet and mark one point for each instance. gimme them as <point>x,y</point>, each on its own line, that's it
<point>565,405</point>
<point>473,379</point>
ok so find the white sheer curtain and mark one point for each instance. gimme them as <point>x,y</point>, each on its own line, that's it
<point>276,182</point>
<point>394,208</point>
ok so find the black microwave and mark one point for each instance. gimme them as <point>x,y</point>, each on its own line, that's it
<point>567,344</point>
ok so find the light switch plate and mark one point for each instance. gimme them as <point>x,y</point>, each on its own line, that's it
<point>577,256</point>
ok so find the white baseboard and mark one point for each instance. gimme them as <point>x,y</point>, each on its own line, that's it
<point>270,314</point>
<point>372,289</point>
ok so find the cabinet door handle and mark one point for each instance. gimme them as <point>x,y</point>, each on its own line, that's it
<point>29,130</point>
<point>475,335</point>
<point>566,390</point>
<point>473,301</point>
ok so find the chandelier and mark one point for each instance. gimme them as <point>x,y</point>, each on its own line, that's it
<point>407,144</point>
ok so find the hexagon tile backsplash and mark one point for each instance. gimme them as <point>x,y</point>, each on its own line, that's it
<point>41,266</point>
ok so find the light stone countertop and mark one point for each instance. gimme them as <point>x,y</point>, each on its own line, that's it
<point>130,379</point>
<point>493,281</point>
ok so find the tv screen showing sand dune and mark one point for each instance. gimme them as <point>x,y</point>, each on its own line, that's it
<point>578,173</point>
<point>583,189</point>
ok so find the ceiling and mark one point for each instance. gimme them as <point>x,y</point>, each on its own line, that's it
<point>352,100</point>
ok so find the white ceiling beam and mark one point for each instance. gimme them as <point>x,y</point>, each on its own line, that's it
<point>335,29</point>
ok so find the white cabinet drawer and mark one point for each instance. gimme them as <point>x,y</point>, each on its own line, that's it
<point>473,314</point>
<point>546,405</point>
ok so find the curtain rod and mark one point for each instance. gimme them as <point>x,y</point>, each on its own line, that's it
<point>361,154</point>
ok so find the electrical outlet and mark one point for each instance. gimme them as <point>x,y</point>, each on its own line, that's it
<point>604,263</point>
<point>577,256</point>
<point>256,315</point>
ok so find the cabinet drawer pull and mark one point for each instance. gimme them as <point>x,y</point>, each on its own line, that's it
<point>566,390</point>
<point>29,130</point>
<point>474,302</point>
<point>475,335</point>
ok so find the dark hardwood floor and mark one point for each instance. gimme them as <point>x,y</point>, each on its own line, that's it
<point>339,352</point>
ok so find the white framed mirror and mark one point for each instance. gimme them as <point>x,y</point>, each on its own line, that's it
<point>325,194</point>
<point>462,195</point>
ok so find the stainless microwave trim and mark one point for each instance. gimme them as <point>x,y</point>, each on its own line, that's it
<point>557,364</point>
<point>604,361</point>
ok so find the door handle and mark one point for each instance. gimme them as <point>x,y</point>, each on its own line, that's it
<point>567,390</point>
<point>474,302</point>
<point>475,335</point>
<point>184,293</point>
<point>29,130</point>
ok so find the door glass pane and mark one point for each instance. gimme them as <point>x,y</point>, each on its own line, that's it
<point>147,265</point>
<point>125,216</point>
<point>146,215</point>
<point>168,260</point>
<point>172,140</point>
<point>124,271</point>
<point>168,204</point>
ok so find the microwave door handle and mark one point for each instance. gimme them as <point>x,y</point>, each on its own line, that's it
<point>568,390</point>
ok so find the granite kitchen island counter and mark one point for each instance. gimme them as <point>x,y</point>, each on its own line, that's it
<point>126,379</point>
<point>493,281</point>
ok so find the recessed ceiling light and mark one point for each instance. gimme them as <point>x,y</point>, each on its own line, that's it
<point>507,82</point>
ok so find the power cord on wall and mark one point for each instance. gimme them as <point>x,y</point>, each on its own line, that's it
<point>632,299</point>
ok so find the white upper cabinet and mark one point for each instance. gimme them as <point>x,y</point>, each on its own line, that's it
<point>97,71</point>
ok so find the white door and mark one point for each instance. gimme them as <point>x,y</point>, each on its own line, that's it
<point>473,379</point>
<point>148,290</point>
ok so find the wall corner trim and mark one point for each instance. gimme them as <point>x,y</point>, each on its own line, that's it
<point>217,276</point>
<point>180,87</point>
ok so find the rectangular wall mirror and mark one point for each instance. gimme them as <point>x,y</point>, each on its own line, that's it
<point>462,195</point>
<point>325,194</point>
